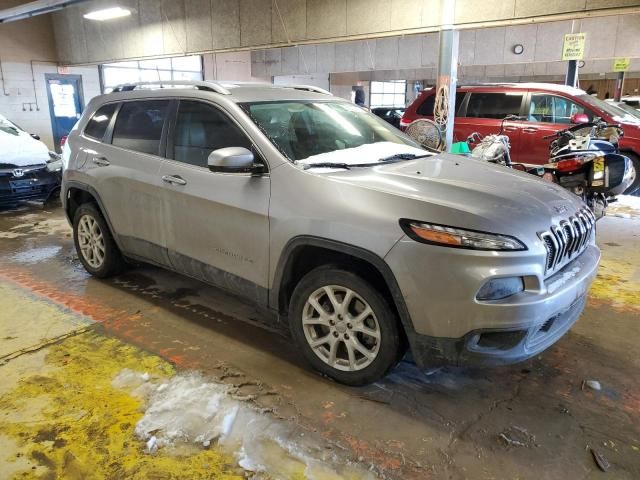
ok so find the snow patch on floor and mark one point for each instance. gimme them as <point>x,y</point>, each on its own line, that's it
<point>626,206</point>
<point>187,410</point>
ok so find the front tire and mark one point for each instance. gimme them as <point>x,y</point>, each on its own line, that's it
<point>635,186</point>
<point>94,243</point>
<point>344,327</point>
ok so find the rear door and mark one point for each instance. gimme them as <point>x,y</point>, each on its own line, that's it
<point>126,170</point>
<point>483,113</point>
<point>218,223</point>
<point>546,113</point>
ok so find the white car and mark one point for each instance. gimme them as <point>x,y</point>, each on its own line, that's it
<point>28,170</point>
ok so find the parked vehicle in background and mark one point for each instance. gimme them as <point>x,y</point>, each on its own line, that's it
<point>632,101</point>
<point>339,224</point>
<point>28,170</point>
<point>391,115</point>
<point>542,109</point>
<point>628,108</point>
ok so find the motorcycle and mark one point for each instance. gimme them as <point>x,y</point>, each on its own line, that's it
<point>584,159</point>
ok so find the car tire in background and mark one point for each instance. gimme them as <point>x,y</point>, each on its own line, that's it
<point>94,243</point>
<point>344,326</point>
<point>634,189</point>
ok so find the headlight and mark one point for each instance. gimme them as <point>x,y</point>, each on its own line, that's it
<point>458,237</point>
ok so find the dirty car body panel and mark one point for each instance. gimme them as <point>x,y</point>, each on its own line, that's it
<point>239,230</point>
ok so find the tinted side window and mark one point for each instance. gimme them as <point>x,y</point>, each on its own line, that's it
<point>98,124</point>
<point>202,128</point>
<point>139,125</point>
<point>553,109</point>
<point>493,105</point>
<point>427,106</point>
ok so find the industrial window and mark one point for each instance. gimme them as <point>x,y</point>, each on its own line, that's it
<point>388,94</point>
<point>493,105</point>
<point>98,124</point>
<point>553,109</point>
<point>178,68</point>
<point>201,129</point>
<point>139,125</point>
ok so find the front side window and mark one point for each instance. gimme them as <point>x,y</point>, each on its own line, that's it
<point>493,105</point>
<point>553,109</point>
<point>98,124</point>
<point>301,129</point>
<point>201,129</point>
<point>139,125</point>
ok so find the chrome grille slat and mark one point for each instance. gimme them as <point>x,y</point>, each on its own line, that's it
<point>568,238</point>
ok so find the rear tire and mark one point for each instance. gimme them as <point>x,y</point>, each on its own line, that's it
<point>94,243</point>
<point>634,189</point>
<point>344,327</point>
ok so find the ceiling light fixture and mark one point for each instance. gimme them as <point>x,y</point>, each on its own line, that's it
<point>107,14</point>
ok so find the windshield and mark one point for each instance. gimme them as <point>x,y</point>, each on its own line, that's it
<point>9,127</point>
<point>310,132</point>
<point>617,113</point>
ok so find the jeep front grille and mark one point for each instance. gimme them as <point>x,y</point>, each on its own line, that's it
<point>568,239</point>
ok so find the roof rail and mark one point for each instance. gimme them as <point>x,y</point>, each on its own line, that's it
<point>308,88</point>
<point>198,84</point>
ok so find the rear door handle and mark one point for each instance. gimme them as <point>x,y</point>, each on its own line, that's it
<point>101,161</point>
<point>510,128</point>
<point>530,129</point>
<point>174,179</point>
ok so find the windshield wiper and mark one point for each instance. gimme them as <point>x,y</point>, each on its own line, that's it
<point>326,165</point>
<point>401,156</point>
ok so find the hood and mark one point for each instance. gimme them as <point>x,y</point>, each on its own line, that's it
<point>480,194</point>
<point>19,148</point>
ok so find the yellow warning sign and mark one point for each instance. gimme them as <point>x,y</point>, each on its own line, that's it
<point>621,64</point>
<point>573,47</point>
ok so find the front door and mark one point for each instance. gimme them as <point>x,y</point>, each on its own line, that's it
<point>218,223</point>
<point>66,103</point>
<point>545,114</point>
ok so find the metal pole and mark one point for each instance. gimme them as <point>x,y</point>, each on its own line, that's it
<point>619,83</point>
<point>572,74</point>
<point>448,66</point>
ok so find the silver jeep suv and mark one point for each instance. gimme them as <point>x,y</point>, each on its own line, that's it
<point>336,222</point>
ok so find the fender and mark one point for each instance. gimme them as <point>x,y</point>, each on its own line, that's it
<point>287,254</point>
<point>66,185</point>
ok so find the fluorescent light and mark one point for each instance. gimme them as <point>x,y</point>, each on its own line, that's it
<point>107,14</point>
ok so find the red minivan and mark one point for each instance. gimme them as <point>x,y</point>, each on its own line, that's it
<point>545,108</point>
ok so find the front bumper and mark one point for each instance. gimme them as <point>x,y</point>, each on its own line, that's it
<point>36,184</point>
<point>450,326</point>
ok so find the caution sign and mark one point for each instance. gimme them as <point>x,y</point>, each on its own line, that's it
<point>621,64</point>
<point>573,47</point>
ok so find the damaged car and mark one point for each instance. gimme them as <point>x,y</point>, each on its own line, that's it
<point>359,241</point>
<point>28,170</point>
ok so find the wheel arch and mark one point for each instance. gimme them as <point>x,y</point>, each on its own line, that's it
<point>304,253</point>
<point>75,194</point>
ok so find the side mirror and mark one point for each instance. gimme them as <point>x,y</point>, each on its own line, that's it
<point>578,118</point>
<point>35,136</point>
<point>232,160</point>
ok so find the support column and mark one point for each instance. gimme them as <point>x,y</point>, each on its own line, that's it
<point>619,84</point>
<point>572,74</point>
<point>447,71</point>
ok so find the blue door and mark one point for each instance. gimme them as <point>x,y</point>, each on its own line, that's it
<point>66,103</point>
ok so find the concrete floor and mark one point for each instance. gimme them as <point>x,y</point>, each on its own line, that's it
<point>454,423</point>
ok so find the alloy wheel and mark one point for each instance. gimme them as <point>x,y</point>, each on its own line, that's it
<point>91,241</point>
<point>341,328</point>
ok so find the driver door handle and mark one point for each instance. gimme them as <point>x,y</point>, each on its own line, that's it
<point>174,179</point>
<point>530,129</point>
<point>101,161</point>
<point>510,128</point>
